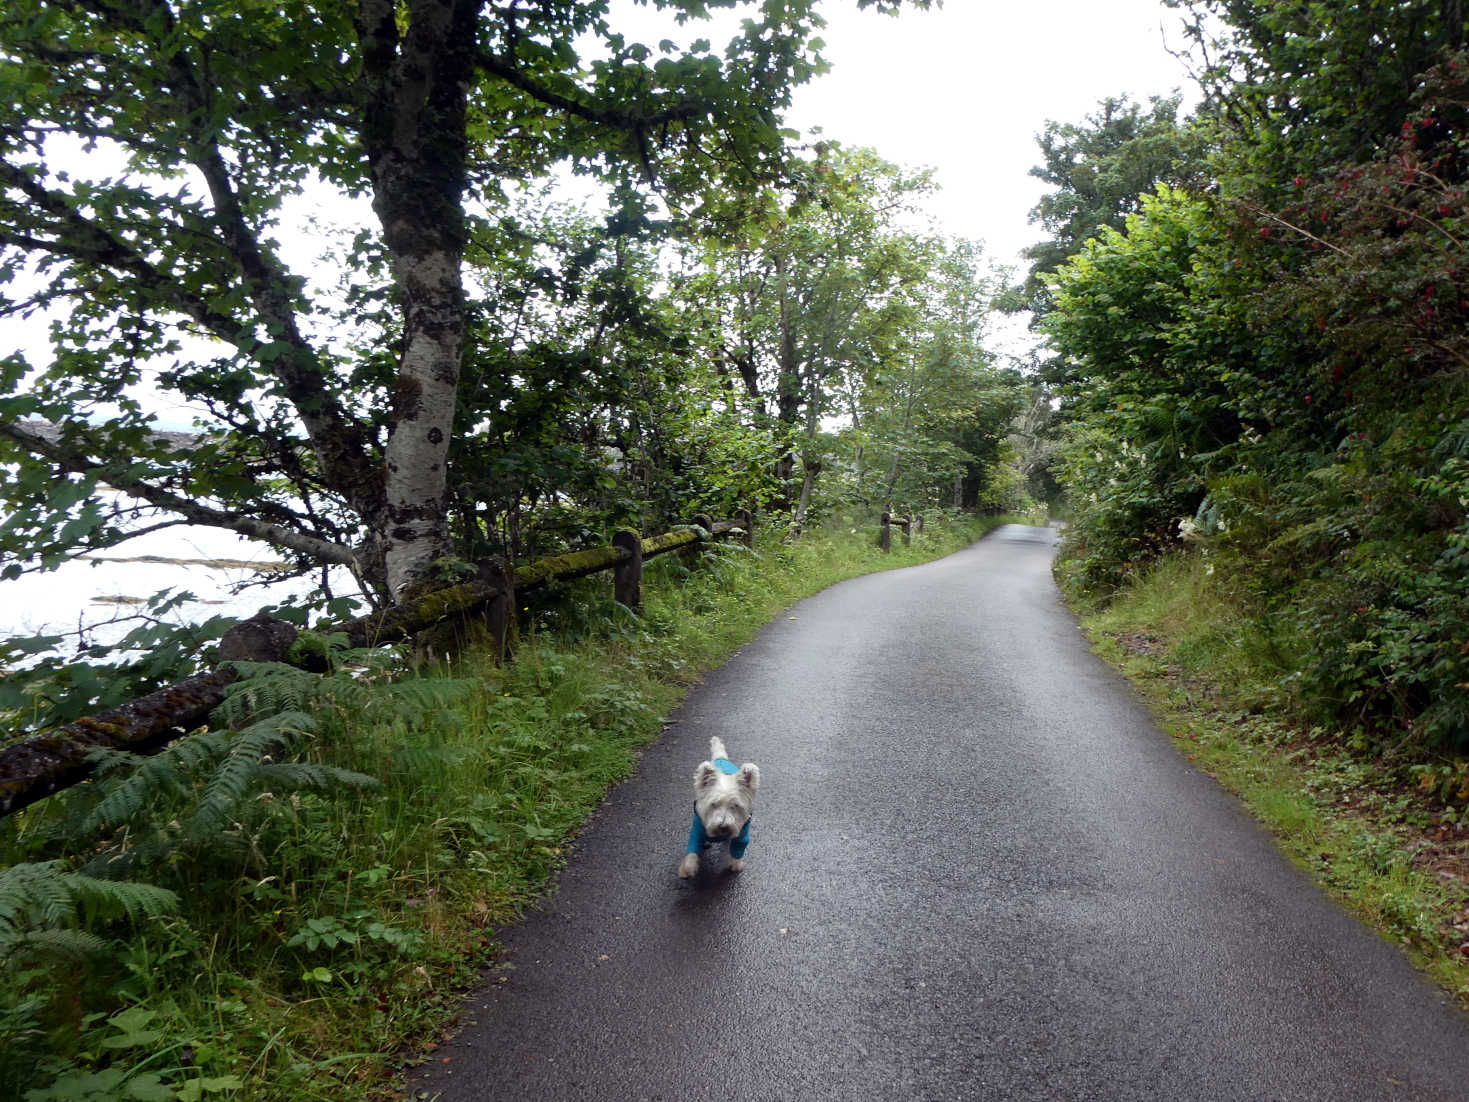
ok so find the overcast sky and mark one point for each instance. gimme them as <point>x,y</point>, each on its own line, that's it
<point>966,90</point>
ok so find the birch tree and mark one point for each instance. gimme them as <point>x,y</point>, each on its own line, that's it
<point>150,153</point>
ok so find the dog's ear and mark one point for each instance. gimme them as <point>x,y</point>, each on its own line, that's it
<point>705,775</point>
<point>749,776</point>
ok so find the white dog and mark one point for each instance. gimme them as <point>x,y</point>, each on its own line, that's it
<point>724,793</point>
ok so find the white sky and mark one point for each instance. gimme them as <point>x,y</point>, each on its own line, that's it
<point>966,90</point>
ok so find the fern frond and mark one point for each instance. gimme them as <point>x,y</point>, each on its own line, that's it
<point>27,888</point>
<point>266,689</point>
<point>294,775</point>
<point>40,904</point>
<point>166,775</point>
<point>77,945</point>
<point>244,755</point>
<point>106,900</point>
<point>426,693</point>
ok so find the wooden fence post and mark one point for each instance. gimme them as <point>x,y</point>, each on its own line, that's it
<point>885,536</point>
<point>627,576</point>
<point>491,627</point>
<point>704,521</point>
<point>907,523</point>
<point>920,524</point>
<point>500,619</point>
<point>746,521</point>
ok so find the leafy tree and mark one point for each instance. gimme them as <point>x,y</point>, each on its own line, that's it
<point>149,155</point>
<point>1310,83</point>
<point>1141,319</point>
<point>820,292</point>
<point>1101,170</point>
<point>936,423</point>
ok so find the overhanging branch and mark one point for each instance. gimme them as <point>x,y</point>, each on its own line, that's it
<point>75,462</point>
<point>632,121</point>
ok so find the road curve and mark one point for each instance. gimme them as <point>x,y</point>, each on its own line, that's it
<point>977,871</point>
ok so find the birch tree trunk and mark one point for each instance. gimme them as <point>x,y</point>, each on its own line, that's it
<point>418,73</point>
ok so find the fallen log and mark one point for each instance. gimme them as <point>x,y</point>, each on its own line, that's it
<point>35,768</point>
<point>46,763</point>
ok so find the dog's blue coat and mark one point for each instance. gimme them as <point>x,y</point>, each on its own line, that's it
<point>699,839</point>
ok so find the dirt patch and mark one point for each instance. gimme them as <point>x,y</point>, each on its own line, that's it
<point>1139,642</point>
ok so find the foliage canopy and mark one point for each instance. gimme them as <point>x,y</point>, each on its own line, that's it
<point>1275,367</point>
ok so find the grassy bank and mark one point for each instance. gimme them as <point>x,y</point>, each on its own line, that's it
<point>292,911</point>
<point>1386,833</point>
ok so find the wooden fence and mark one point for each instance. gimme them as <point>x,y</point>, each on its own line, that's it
<point>49,762</point>
<point>908,524</point>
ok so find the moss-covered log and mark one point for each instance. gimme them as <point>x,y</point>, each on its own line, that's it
<point>670,541</point>
<point>415,613</point>
<point>574,564</point>
<point>34,769</point>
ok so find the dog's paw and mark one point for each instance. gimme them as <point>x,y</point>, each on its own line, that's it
<point>736,864</point>
<point>689,865</point>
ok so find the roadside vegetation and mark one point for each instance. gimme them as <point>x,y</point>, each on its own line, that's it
<point>1259,359</point>
<point>476,372</point>
<point>293,910</point>
<point>1384,830</point>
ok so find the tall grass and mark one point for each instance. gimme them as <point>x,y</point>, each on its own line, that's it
<point>1205,614</point>
<point>319,931</point>
<point>1222,679</point>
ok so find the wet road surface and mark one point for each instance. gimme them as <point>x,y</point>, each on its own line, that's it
<point>977,871</point>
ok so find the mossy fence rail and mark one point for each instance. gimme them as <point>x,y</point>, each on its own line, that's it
<point>54,760</point>
<point>908,525</point>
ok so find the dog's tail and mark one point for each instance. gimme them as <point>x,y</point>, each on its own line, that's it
<point>716,748</point>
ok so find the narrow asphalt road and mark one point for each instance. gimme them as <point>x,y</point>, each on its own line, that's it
<point>977,871</point>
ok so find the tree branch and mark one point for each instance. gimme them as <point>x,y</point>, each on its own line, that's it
<point>193,512</point>
<point>79,238</point>
<point>632,121</point>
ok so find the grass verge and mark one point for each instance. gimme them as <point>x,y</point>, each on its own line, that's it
<point>294,909</point>
<point>1385,835</point>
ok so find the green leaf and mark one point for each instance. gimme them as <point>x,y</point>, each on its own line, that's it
<point>131,1026</point>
